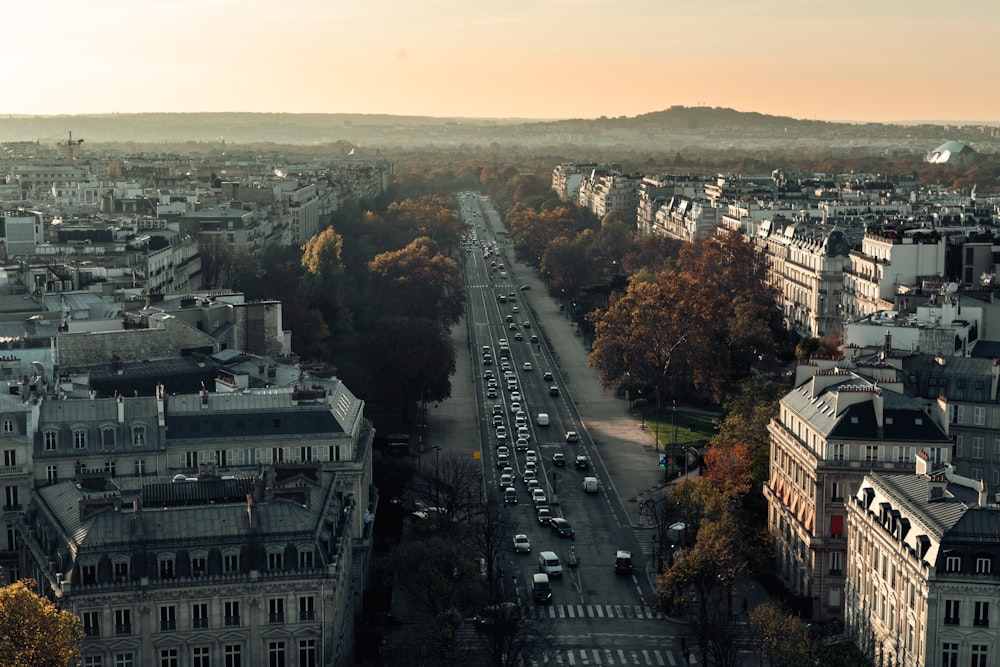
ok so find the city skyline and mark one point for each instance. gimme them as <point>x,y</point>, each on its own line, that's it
<point>891,61</point>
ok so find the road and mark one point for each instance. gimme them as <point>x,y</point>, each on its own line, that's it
<point>595,617</point>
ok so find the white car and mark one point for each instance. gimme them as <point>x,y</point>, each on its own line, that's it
<point>526,366</point>
<point>531,456</point>
<point>538,497</point>
<point>501,431</point>
<point>521,544</point>
<point>523,432</point>
<point>515,396</point>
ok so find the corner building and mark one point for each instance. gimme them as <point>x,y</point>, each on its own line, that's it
<point>841,421</point>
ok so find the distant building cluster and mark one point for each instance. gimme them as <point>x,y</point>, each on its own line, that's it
<point>172,474</point>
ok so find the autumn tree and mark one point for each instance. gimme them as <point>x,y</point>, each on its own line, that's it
<point>34,632</point>
<point>324,267</point>
<point>782,639</point>
<point>417,281</point>
<point>748,412</point>
<point>431,216</point>
<point>728,470</point>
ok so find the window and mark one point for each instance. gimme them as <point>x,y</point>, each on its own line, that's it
<point>909,636</point>
<point>79,439</point>
<point>306,453</point>
<point>12,542</point>
<point>949,655</point>
<point>959,414</point>
<point>951,609</point>
<point>111,468</point>
<point>52,474</point>
<point>232,613</point>
<point>953,563</point>
<point>191,459</point>
<point>8,426</point>
<point>89,573</point>
<point>123,621</point>
<point>92,623</point>
<point>979,416</point>
<point>959,443</point>
<point>307,611</point>
<point>120,569</point>
<point>836,492</point>
<point>168,657</point>
<point>250,456</point>
<point>199,656</point>
<point>839,452</point>
<point>836,562</point>
<point>983,565</point>
<point>274,560</point>
<point>124,660</point>
<point>276,654</point>
<point>198,566</point>
<point>306,559</point>
<point>107,438</point>
<point>835,594</point>
<point>307,653</point>
<point>978,447</point>
<point>139,436</point>
<point>275,610</point>
<point>981,614</point>
<point>233,654</point>
<point>221,458</point>
<point>166,568</point>
<point>231,563</point>
<point>168,618</point>
<point>10,494</point>
<point>92,661</point>
<point>10,457</point>
<point>979,653</point>
<point>199,615</point>
<point>871,453</point>
<point>50,441</point>
<point>140,467</point>
<point>277,455</point>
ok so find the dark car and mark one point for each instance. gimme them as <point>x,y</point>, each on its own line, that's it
<point>582,462</point>
<point>559,460</point>
<point>561,527</point>
<point>623,562</point>
<point>525,288</point>
<point>572,436</point>
<point>547,376</point>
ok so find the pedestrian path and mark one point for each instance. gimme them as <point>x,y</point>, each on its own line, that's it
<point>632,612</point>
<point>610,656</point>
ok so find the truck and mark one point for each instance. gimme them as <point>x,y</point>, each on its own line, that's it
<point>590,485</point>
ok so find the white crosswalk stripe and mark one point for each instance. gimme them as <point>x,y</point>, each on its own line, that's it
<point>576,611</point>
<point>609,658</point>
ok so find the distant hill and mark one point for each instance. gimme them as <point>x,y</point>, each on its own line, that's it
<point>674,127</point>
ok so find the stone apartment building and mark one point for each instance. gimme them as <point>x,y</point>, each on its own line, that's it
<point>922,584</point>
<point>226,527</point>
<point>841,421</point>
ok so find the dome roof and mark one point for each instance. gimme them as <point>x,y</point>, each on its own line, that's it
<point>950,152</point>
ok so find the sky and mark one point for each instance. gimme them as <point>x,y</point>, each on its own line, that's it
<point>877,60</point>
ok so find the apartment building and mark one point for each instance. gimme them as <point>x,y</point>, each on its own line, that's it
<point>840,422</point>
<point>920,560</point>
<point>229,527</point>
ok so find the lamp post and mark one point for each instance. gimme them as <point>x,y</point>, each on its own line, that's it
<point>437,476</point>
<point>673,426</point>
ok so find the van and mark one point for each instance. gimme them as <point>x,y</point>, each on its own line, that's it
<point>503,274</point>
<point>541,588</point>
<point>590,485</point>
<point>543,419</point>
<point>548,563</point>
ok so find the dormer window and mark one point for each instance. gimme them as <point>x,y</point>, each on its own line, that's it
<point>983,565</point>
<point>953,562</point>
<point>8,426</point>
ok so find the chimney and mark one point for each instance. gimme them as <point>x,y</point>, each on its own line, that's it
<point>923,462</point>
<point>994,379</point>
<point>984,498</point>
<point>939,359</point>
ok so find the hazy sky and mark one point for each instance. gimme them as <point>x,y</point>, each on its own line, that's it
<point>877,60</point>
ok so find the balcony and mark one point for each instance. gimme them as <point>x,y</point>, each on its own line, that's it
<point>125,629</point>
<point>199,623</point>
<point>168,626</point>
<point>276,618</point>
<point>12,471</point>
<point>232,621</point>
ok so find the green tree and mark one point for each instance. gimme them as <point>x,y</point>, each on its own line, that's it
<point>34,632</point>
<point>748,412</point>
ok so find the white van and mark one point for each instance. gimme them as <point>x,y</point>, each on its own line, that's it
<point>548,563</point>
<point>542,419</point>
<point>590,485</point>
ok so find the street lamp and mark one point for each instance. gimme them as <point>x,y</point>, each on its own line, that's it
<point>673,426</point>
<point>437,476</point>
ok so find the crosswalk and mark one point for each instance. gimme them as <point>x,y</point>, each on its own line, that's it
<point>609,657</point>
<point>635,612</point>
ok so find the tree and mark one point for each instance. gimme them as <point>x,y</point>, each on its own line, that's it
<point>324,266</point>
<point>431,216</point>
<point>437,573</point>
<point>782,639</point>
<point>409,359</point>
<point>34,632</point>
<point>728,470</point>
<point>747,414</point>
<point>417,281</point>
